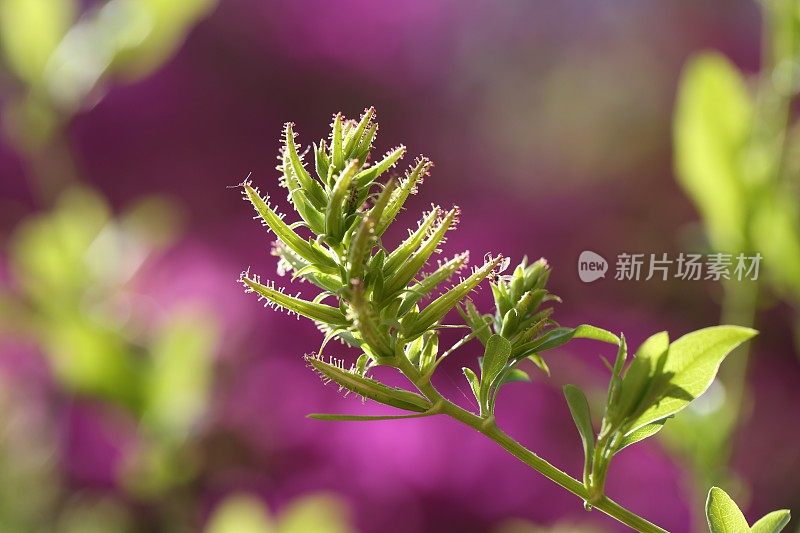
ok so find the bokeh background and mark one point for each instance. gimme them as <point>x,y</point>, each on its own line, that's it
<point>141,390</point>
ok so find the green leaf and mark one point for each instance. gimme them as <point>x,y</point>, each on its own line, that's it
<point>479,324</point>
<point>336,142</point>
<point>410,268</point>
<point>559,336</point>
<point>335,211</point>
<point>369,388</point>
<point>407,187</point>
<point>639,374</point>
<point>438,308</point>
<point>495,357</point>
<point>773,522</point>
<point>291,239</point>
<point>355,135</point>
<point>364,237</point>
<point>723,514</point>
<point>586,331</point>
<point>515,375</point>
<point>367,176</point>
<point>540,363</point>
<point>423,289</point>
<point>640,434</point>
<point>713,120</point>
<point>362,418</point>
<point>474,382</point>
<point>321,161</point>
<point>579,408</point>
<point>315,311</point>
<point>312,189</point>
<point>376,339</point>
<point>689,368</point>
<point>402,253</point>
<point>290,261</point>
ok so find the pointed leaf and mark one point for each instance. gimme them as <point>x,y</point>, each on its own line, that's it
<point>410,268</point>
<point>559,336</point>
<point>723,514</point>
<point>367,176</point>
<point>335,211</point>
<point>291,239</point>
<point>773,522</point>
<point>586,331</point>
<point>479,324</point>
<point>423,289</point>
<point>336,142</point>
<point>364,237</point>
<point>355,135</point>
<point>369,388</point>
<point>639,375</point>
<point>640,434</point>
<point>691,365</point>
<point>403,252</point>
<point>321,161</point>
<point>406,188</point>
<point>579,408</point>
<point>362,418</point>
<point>474,382</point>
<point>539,362</point>
<point>495,358</point>
<point>313,190</point>
<point>315,311</point>
<point>437,309</point>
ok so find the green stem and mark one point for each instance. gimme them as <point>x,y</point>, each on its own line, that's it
<point>487,427</point>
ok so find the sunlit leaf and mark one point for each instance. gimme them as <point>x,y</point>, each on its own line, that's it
<point>640,434</point>
<point>723,514</point>
<point>773,522</point>
<point>690,367</point>
<point>579,408</point>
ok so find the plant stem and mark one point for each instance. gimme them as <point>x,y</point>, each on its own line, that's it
<point>488,427</point>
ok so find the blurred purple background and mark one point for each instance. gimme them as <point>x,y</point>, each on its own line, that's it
<point>548,123</point>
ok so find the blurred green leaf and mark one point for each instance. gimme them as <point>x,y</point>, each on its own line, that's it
<point>775,227</point>
<point>176,388</point>
<point>168,23</point>
<point>241,514</point>
<point>712,123</point>
<point>29,32</point>
<point>320,513</point>
<point>723,514</point>
<point>91,359</point>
